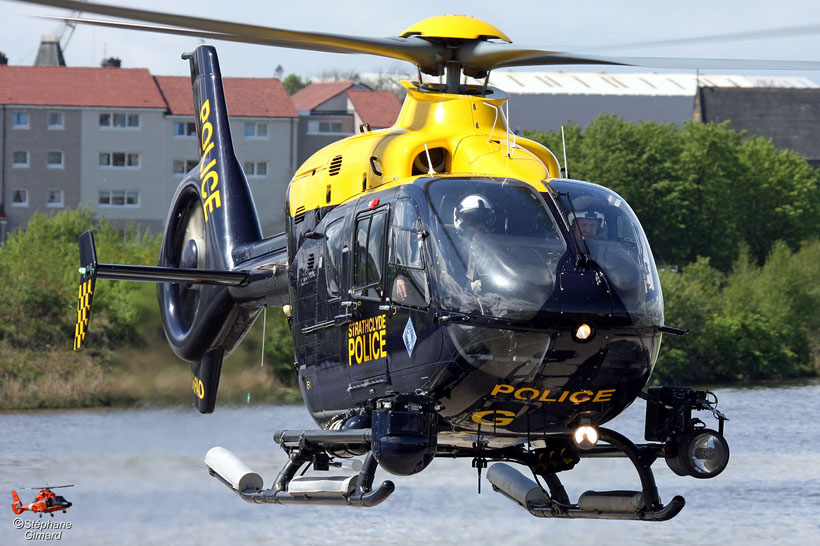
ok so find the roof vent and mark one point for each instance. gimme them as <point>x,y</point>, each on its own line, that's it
<point>335,165</point>
<point>111,62</point>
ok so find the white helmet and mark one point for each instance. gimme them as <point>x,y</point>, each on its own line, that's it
<point>474,211</point>
<point>587,215</point>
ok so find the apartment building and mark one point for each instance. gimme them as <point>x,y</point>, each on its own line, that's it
<point>119,140</point>
<point>264,127</point>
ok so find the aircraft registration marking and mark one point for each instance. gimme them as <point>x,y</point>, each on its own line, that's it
<point>366,340</point>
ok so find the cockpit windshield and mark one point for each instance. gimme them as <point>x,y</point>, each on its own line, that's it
<point>495,247</point>
<point>604,225</point>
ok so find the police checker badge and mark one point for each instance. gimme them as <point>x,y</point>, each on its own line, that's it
<point>409,337</point>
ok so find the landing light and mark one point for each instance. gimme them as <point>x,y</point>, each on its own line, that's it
<point>584,332</point>
<point>701,453</point>
<point>586,436</point>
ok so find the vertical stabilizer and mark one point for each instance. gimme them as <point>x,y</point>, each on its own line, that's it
<point>17,507</point>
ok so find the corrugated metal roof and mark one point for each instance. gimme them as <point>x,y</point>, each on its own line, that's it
<point>639,84</point>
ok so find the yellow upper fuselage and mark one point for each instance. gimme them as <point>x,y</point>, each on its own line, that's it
<point>465,135</point>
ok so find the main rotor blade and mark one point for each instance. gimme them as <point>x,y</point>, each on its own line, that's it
<point>174,30</point>
<point>414,50</point>
<point>784,32</point>
<point>488,56</point>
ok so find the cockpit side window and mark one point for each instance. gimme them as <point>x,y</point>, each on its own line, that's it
<point>333,256</point>
<point>604,224</point>
<point>407,271</point>
<point>368,254</point>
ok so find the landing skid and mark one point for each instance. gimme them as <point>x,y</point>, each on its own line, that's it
<point>644,505</point>
<point>304,448</point>
<point>316,448</point>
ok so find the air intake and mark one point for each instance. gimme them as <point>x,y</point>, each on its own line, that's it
<point>335,165</point>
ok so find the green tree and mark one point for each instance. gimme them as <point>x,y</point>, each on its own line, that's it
<point>38,265</point>
<point>293,84</point>
<point>778,198</point>
<point>699,190</point>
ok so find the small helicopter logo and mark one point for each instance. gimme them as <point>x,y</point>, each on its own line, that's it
<point>47,502</point>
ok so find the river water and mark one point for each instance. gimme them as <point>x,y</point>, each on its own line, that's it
<point>139,479</point>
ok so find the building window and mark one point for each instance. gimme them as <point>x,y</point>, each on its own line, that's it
<point>119,198</point>
<point>256,130</point>
<point>54,198</point>
<point>119,160</point>
<point>119,120</point>
<point>184,129</point>
<point>20,120</point>
<point>256,168</point>
<point>55,120</point>
<point>54,159</point>
<point>19,198</point>
<point>325,127</point>
<point>182,166</point>
<point>19,159</point>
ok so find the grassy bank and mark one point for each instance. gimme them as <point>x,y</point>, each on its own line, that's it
<point>147,375</point>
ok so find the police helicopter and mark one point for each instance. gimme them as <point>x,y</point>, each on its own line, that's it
<point>450,292</point>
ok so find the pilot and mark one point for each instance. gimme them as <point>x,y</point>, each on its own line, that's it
<point>587,220</point>
<point>474,214</point>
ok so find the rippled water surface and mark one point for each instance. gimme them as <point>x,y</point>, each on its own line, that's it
<point>140,479</point>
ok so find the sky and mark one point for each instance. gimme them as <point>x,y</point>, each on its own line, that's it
<point>572,25</point>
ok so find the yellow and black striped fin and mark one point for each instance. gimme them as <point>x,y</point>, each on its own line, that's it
<point>86,293</point>
<point>88,270</point>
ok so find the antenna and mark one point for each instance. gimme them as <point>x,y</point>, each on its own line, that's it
<point>431,171</point>
<point>564,146</point>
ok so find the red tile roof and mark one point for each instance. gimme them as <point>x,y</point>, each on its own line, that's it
<point>78,86</point>
<point>378,108</point>
<point>246,97</point>
<point>316,93</point>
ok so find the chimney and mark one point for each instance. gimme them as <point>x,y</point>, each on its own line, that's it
<point>111,62</point>
<point>3,58</point>
<point>50,53</point>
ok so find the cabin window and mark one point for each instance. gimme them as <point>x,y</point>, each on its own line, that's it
<point>333,256</point>
<point>408,277</point>
<point>368,254</point>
